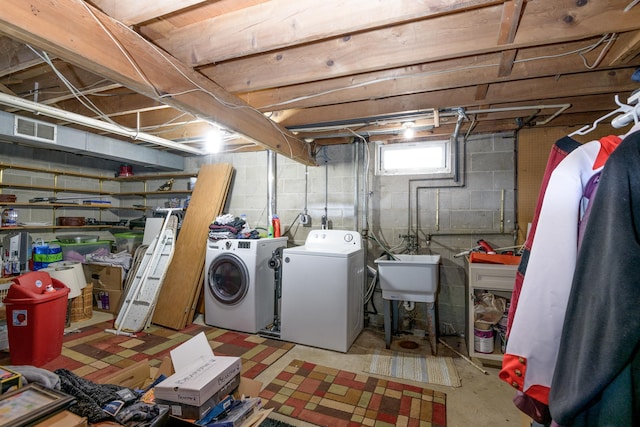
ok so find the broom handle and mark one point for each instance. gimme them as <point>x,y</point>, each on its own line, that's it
<point>475,365</point>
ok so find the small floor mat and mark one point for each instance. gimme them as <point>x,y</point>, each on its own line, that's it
<point>331,397</point>
<point>427,369</point>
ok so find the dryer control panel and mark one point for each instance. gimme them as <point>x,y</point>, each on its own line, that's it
<point>333,241</point>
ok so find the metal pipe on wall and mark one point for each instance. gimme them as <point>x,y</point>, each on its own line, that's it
<point>459,171</point>
<point>271,186</point>
<point>356,184</point>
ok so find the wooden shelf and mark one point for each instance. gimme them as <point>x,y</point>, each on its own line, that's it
<point>56,172</point>
<point>46,205</point>
<point>52,191</point>
<point>153,193</point>
<point>159,176</point>
<point>56,227</point>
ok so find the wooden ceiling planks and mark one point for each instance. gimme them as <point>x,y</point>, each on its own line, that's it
<point>183,282</point>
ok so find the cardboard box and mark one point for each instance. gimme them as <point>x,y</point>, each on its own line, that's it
<point>139,375</point>
<point>247,388</point>
<point>107,300</point>
<point>196,384</point>
<point>200,381</point>
<point>104,277</point>
<point>183,410</point>
<point>107,286</point>
<point>63,419</point>
<point>9,380</point>
<point>198,373</point>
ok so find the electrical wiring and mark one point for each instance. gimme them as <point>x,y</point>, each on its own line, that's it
<point>121,48</point>
<point>379,80</point>
<point>365,185</point>
<point>286,136</point>
<point>198,87</point>
<point>580,52</point>
<point>79,94</point>
<point>372,286</point>
<point>74,91</point>
<point>605,49</point>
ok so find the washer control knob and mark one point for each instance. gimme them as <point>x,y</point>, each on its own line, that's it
<point>348,237</point>
<point>227,245</point>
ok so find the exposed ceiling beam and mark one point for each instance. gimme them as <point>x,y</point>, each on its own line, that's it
<point>544,23</point>
<point>257,29</point>
<point>625,49</point>
<point>134,12</point>
<point>126,58</point>
<point>594,82</point>
<point>479,69</point>
<point>19,56</point>
<point>511,14</point>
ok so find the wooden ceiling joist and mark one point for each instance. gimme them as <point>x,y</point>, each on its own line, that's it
<point>457,37</point>
<point>253,30</point>
<point>126,58</point>
<point>511,13</point>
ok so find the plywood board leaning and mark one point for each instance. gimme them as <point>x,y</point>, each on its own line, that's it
<point>182,282</point>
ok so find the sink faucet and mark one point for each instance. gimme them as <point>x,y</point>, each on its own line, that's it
<point>412,243</point>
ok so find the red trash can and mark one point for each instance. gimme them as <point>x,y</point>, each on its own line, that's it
<point>36,317</point>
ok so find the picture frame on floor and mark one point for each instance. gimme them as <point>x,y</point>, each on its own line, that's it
<point>31,403</point>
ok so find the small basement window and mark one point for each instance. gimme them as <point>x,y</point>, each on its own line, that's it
<point>414,158</point>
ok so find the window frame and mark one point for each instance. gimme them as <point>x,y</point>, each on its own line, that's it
<point>445,171</point>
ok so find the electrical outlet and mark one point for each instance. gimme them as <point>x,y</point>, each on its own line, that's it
<point>305,220</point>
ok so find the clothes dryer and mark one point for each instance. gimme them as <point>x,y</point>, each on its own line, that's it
<point>240,286</point>
<point>322,302</point>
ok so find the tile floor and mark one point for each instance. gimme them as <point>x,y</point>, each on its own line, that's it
<point>482,401</point>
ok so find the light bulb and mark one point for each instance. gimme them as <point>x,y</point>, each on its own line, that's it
<point>409,132</point>
<point>213,141</point>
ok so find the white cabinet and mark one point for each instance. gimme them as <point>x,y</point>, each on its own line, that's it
<point>497,279</point>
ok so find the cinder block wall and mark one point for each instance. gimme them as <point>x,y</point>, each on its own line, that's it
<point>447,221</point>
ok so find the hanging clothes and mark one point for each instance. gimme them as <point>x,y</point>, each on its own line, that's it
<point>560,149</point>
<point>534,337</point>
<point>597,375</point>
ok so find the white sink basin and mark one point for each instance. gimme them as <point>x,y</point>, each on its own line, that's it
<point>409,277</point>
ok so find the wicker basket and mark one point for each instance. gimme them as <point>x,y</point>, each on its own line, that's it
<point>82,305</point>
<point>5,284</point>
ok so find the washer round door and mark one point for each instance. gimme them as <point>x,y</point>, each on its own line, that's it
<point>228,279</point>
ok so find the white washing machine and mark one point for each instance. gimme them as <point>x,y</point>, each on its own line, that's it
<point>323,290</point>
<point>240,289</point>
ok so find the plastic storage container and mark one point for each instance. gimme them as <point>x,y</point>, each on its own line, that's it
<point>9,217</point>
<point>128,241</point>
<point>36,318</point>
<point>79,251</point>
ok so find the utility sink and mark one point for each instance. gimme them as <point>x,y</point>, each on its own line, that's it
<point>409,277</point>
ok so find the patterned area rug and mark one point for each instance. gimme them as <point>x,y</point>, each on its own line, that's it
<point>417,367</point>
<point>93,353</point>
<point>332,397</point>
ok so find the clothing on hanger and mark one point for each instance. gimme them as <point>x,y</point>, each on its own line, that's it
<point>532,345</point>
<point>560,149</point>
<point>596,379</point>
